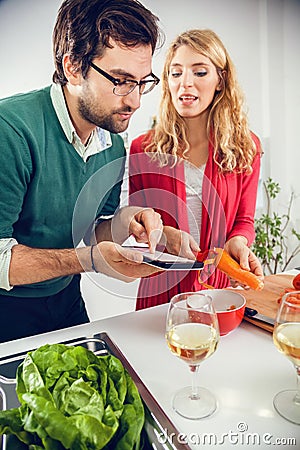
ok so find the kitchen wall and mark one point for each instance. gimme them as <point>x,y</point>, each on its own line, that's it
<point>262,37</point>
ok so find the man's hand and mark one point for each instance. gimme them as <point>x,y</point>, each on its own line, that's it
<point>120,262</point>
<point>32,265</point>
<point>144,223</point>
<point>146,226</point>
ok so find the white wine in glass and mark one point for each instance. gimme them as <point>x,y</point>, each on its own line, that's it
<point>286,337</point>
<point>192,334</point>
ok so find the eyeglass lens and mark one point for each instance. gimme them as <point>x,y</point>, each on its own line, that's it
<point>126,87</point>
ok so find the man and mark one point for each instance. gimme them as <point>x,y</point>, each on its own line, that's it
<point>62,164</point>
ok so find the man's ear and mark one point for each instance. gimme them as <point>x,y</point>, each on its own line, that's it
<point>72,73</point>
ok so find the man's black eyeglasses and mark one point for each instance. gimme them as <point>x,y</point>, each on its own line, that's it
<point>124,87</point>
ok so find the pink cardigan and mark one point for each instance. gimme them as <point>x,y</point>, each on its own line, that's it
<point>228,208</point>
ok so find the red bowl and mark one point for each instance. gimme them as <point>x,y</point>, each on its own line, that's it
<point>230,307</point>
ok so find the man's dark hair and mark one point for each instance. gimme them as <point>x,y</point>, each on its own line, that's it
<point>83,29</point>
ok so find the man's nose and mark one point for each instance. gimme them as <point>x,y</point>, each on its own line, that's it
<point>133,99</point>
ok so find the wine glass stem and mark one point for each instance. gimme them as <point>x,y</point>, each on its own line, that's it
<point>195,393</point>
<point>297,396</point>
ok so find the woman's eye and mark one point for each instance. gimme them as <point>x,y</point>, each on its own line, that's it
<point>200,73</point>
<point>176,74</point>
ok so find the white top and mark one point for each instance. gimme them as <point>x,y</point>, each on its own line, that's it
<point>193,185</point>
<point>244,373</point>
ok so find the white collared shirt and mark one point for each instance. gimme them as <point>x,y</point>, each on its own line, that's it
<point>99,139</point>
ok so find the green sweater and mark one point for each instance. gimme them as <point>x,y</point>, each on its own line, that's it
<point>49,196</point>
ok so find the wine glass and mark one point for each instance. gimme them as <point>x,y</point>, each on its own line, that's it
<point>192,334</point>
<point>286,337</point>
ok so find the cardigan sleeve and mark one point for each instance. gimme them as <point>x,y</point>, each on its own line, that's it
<point>244,220</point>
<point>139,173</point>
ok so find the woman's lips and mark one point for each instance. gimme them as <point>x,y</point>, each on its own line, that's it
<point>187,99</point>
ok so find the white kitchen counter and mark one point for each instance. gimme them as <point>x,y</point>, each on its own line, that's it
<point>245,373</point>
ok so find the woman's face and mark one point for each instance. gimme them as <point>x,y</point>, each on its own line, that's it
<point>193,81</point>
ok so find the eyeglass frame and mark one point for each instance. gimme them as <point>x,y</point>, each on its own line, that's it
<point>118,82</point>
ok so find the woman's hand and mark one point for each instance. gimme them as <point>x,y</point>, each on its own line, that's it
<point>238,250</point>
<point>179,242</point>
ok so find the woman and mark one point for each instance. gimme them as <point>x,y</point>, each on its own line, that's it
<point>199,166</point>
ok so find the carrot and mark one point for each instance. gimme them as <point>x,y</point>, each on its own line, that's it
<point>294,299</point>
<point>296,282</point>
<point>201,256</point>
<point>232,269</point>
<point>286,290</point>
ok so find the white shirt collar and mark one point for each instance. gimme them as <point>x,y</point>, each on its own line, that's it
<point>99,140</point>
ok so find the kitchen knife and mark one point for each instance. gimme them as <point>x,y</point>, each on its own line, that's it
<point>253,314</point>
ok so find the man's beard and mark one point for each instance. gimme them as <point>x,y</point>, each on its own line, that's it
<point>107,122</point>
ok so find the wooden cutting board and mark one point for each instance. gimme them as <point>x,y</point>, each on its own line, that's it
<point>266,300</point>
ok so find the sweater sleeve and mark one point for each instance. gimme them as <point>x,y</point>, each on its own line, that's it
<point>15,173</point>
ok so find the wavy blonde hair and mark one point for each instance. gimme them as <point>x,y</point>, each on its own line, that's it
<point>227,126</point>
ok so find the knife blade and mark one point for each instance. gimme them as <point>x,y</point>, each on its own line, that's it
<point>254,314</point>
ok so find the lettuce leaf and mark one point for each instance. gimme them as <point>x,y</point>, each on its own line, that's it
<point>72,399</point>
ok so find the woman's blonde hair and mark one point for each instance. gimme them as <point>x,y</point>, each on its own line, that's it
<point>227,125</point>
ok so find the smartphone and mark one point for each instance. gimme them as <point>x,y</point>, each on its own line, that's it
<point>167,261</point>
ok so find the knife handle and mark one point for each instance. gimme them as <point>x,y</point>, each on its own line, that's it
<point>250,312</point>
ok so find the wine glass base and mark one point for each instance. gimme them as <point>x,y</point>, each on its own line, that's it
<point>285,405</point>
<point>191,406</point>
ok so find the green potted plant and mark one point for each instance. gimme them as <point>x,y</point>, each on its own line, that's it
<point>277,242</point>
